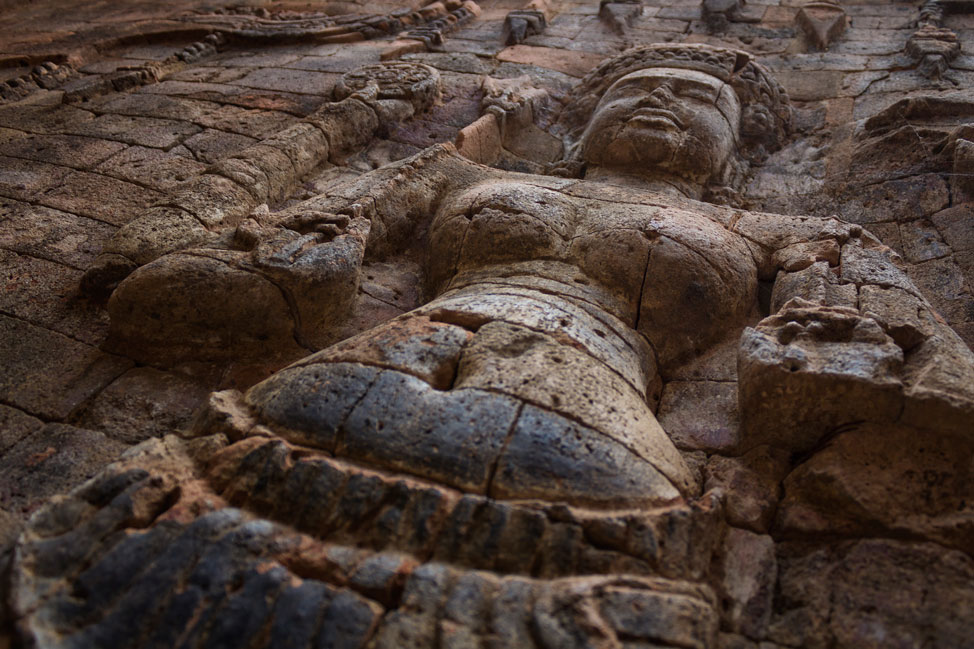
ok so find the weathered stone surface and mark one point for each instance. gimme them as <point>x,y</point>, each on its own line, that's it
<point>49,461</point>
<point>77,371</point>
<point>156,231</point>
<point>214,200</point>
<point>143,131</point>
<point>50,234</point>
<point>575,64</point>
<point>427,350</point>
<point>25,277</point>
<point>904,317</point>
<point>953,224</point>
<point>876,478</point>
<point>546,450</point>
<point>800,256</point>
<point>16,425</point>
<point>66,150</point>
<point>817,283</point>
<point>748,570</point>
<point>874,590</point>
<point>944,281</point>
<point>142,403</point>
<point>518,362</point>
<point>151,319</point>
<point>347,124</point>
<point>471,458</point>
<point>253,123</point>
<point>24,179</point>
<point>159,170</point>
<point>454,437</point>
<point>212,145</point>
<point>552,315</point>
<point>804,364</point>
<point>312,402</point>
<point>751,485</point>
<point>680,414</point>
<point>98,197</point>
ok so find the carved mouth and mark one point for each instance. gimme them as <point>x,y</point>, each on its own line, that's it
<point>656,116</point>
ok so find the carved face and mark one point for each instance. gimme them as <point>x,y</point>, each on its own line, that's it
<point>683,122</point>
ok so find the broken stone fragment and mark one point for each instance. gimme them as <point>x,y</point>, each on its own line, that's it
<point>750,483</point>
<point>809,369</point>
<point>718,14</point>
<point>934,48</point>
<point>800,256</point>
<point>881,480</point>
<point>823,21</point>
<point>747,569</point>
<point>521,23</point>
<point>158,317</point>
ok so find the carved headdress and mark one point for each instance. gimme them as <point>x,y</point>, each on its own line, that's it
<point>765,115</point>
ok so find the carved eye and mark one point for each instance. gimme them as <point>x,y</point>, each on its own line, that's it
<point>696,93</point>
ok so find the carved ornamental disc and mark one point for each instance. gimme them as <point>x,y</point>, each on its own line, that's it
<point>412,82</point>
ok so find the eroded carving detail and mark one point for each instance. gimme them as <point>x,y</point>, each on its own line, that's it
<point>823,21</point>
<point>620,14</point>
<point>491,463</point>
<point>932,45</point>
<point>46,75</point>
<point>412,82</point>
<point>718,14</point>
<point>528,21</point>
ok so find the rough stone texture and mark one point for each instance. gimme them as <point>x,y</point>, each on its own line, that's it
<point>750,484</point>
<point>143,403</point>
<point>74,371</point>
<point>748,572</point>
<point>50,461</point>
<point>513,336</point>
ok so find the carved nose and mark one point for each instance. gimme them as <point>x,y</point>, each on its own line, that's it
<point>660,96</point>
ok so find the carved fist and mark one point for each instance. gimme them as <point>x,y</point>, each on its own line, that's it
<point>809,369</point>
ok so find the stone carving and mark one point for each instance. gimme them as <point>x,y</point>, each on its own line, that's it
<point>528,21</point>
<point>620,14</point>
<point>46,75</point>
<point>427,23</point>
<point>412,82</point>
<point>127,77</point>
<point>754,102</point>
<point>933,46</point>
<point>433,31</point>
<point>823,21</point>
<point>718,14</point>
<point>229,191</point>
<point>488,465</point>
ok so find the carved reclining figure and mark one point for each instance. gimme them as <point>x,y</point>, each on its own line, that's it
<point>488,467</point>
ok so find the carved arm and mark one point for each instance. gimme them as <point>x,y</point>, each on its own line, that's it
<point>850,339</point>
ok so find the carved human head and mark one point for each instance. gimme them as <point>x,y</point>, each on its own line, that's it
<point>686,110</point>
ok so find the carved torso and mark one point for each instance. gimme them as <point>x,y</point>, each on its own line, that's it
<point>676,275</point>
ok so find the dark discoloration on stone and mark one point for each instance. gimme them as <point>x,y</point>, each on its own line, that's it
<point>487,470</point>
<point>404,424</point>
<point>551,457</point>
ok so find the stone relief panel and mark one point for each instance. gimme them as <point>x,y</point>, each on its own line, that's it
<point>609,327</point>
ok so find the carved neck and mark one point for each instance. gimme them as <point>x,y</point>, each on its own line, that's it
<point>657,181</point>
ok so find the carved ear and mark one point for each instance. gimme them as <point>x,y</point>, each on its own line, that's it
<point>724,188</point>
<point>758,128</point>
